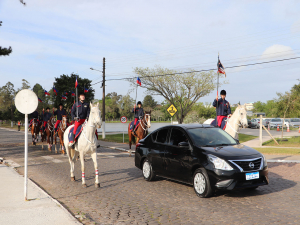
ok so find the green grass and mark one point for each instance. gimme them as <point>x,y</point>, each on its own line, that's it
<point>115,138</point>
<point>279,151</point>
<point>15,127</point>
<point>286,142</point>
<point>246,137</point>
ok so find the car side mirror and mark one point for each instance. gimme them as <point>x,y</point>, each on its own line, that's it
<point>183,144</point>
<point>237,140</point>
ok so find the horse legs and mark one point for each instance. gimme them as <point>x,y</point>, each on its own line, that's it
<point>55,148</point>
<point>94,157</point>
<point>71,154</point>
<point>82,169</point>
<point>62,144</point>
<point>130,136</point>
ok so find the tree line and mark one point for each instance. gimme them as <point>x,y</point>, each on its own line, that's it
<point>286,105</point>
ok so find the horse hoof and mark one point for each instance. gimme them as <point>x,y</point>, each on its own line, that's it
<point>72,178</point>
<point>84,186</point>
<point>97,185</point>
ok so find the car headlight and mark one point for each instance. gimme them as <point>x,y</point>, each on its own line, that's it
<point>219,163</point>
<point>265,161</point>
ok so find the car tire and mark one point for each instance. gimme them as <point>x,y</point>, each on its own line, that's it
<point>148,171</point>
<point>201,184</point>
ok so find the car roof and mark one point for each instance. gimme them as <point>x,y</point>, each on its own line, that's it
<point>189,126</point>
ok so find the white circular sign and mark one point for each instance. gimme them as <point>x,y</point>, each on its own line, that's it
<point>123,119</point>
<point>26,101</point>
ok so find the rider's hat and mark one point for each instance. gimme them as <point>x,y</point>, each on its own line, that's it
<point>223,92</point>
<point>81,93</point>
<point>139,103</point>
<point>60,104</point>
<point>47,108</point>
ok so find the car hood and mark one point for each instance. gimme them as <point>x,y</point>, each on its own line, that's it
<point>232,152</point>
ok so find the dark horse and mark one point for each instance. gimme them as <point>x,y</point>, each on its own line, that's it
<point>49,131</point>
<point>35,130</point>
<point>142,130</point>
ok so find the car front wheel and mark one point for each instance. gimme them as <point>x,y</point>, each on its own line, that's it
<point>201,184</point>
<point>147,171</point>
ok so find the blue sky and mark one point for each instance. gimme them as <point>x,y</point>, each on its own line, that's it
<point>50,38</point>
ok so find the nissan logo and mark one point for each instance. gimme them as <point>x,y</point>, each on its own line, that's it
<point>251,165</point>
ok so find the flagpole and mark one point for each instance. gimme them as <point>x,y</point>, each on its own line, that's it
<point>76,98</point>
<point>53,100</point>
<point>217,91</point>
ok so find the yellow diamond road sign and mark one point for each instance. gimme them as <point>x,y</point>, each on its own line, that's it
<point>172,110</point>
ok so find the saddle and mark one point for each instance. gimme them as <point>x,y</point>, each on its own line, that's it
<point>78,132</point>
<point>132,124</point>
<point>223,124</point>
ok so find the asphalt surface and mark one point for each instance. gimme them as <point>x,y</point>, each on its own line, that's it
<point>126,198</point>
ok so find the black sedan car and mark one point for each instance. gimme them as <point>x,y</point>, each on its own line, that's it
<point>204,156</point>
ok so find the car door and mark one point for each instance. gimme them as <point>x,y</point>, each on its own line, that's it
<point>157,151</point>
<point>178,158</point>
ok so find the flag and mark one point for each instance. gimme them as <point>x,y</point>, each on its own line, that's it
<point>76,83</point>
<point>221,67</point>
<point>73,94</point>
<point>86,90</point>
<point>40,100</point>
<point>46,92</point>
<point>138,81</point>
<point>55,90</point>
<point>63,98</point>
<point>66,93</point>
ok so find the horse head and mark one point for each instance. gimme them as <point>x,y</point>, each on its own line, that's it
<point>242,115</point>
<point>64,121</point>
<point>147,118</point>
<point>95,115</point>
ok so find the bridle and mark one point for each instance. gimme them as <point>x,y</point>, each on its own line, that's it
<point>63,126</point>
<point>91,125</point>
<point>51,122</point>
<point>144,121</point>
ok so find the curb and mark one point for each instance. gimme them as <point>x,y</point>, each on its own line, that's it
<point>283,161</point>
<point>117,148</point>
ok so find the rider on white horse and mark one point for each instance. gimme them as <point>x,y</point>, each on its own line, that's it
<point>223,110</point>
<point>83,113</point>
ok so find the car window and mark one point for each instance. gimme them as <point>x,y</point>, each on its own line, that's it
<point>177,136</point>
<point>162,136</point>
<point>276,120</point>
<point>295,120</point>
<point>210,137</point>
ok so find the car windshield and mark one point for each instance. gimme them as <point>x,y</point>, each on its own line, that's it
<point>276,120</point>
<point>211,137</point>
<point>295,120</point>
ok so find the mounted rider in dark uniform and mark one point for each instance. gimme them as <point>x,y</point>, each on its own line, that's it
<point>83,113</point>
<point>223,109</point>
<point>46,116</point>
<point>59,113</point>
<point>138,114</point>
<point>34,115</point>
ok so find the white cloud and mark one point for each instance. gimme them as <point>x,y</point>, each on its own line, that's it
<point>277,51</point>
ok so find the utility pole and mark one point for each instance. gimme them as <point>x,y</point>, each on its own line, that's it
<point>103,101</point>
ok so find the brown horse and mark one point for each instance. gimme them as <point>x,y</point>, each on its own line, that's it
<point>43,135</point>
<point>35,129</point>
<point>142,130</point>
<point>60,133</point>
<point>49,131</point>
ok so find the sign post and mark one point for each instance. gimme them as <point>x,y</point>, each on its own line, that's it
<point>123,120</point>
<point>26,102</point>
<point>172,111</point>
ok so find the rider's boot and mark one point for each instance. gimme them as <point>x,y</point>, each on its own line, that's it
<point>71,143</point>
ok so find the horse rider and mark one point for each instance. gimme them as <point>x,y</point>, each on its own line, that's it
<point>223,109</point>
<point>59,113</point>
<point>138,114</point>
<point>83,113</point>
<point>34,115</point>
<point>46,116</point>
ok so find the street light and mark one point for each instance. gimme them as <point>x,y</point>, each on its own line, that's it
<point>103,98</point>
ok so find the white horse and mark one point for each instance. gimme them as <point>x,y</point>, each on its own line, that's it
<point>86,143</point>
<point>239,117</point>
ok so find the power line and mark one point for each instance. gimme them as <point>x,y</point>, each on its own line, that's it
<point>206,70</point>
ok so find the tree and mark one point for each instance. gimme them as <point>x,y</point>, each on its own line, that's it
<point>149,102</point>
<point>126,105</point>
<point>112,110</point>
<point>182,90</point>
<point>7,95</point>
<point>66,83</point>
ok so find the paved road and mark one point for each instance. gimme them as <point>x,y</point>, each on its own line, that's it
<point>125,198</point>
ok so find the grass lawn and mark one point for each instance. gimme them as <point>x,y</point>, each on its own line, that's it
<point>279,151</point>
<point>246,137</point>
<point>115,138</point>
<point>286,142</point>
<point>119,138</point>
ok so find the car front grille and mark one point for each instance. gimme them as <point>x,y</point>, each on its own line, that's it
<point>248,164</point>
